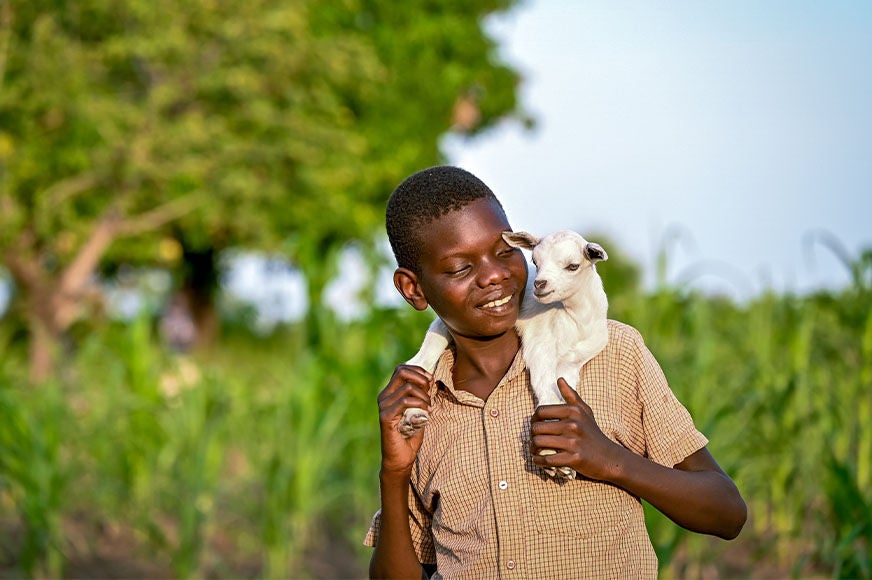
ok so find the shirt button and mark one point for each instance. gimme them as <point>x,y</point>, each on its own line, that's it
<point>510,564</point>
<point>504,485</point>
<point>494,412</point>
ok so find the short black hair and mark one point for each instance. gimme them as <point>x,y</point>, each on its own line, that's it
<point>423,197</point>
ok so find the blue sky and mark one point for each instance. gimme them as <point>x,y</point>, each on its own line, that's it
<point>743,126</point>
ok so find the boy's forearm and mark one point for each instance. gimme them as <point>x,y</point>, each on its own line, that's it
<point>394,555</point>
<point>703,500</point>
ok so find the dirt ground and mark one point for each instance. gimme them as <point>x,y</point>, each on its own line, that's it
<point>100,551</point>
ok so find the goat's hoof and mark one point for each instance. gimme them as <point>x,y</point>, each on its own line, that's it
<point>566,472</point>
<point>552,471</point>
<point>557,472</point>
<point>413,421</point>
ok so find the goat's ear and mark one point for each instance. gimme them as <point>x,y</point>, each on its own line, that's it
<point>595,253</point>
<point>520,240</point>
<point>407,284</point>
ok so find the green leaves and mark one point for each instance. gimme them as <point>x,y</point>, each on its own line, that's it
<point>260,125</point>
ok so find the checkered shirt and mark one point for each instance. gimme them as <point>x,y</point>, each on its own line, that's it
<point>480,508</point>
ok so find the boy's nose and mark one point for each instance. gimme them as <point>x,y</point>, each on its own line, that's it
<point>493,271</point>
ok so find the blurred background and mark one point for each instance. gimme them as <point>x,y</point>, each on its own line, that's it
<point>195,307</point>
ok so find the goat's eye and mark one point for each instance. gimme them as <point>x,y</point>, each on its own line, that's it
<point>572,267</point>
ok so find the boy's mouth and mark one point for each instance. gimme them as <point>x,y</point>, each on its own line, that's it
<point>497,303</point>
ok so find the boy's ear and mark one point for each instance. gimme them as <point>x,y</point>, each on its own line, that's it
<point>408,285</point>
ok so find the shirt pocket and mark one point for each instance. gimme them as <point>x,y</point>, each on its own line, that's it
<point>579,508</point>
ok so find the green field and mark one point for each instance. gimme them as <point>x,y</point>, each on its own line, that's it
<point>259,457</point>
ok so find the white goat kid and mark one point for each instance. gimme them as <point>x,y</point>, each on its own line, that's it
<point>562,323</point>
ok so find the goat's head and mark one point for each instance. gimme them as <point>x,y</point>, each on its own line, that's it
<point>564,262</point>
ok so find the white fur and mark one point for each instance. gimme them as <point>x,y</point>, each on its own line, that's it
<point>562,323</point>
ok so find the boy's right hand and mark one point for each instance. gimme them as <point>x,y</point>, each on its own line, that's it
<point>407,388</point>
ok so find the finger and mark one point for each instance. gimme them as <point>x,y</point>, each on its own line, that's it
<point>405,396</point>
<point>420,370</point>
<point>551,413</point>
<point>570,395</point>
<point>413,374</point>
<point>546,427</point>
<point>557,442</point>
<point>398,385</point>
<point>416,373</point>
<point>558,459</point>
<point>405,377</point>
<point>400,404</point>
<point>394,400</point>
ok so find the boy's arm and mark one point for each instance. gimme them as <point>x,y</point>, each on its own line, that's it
<point>696,493</point>
<point>394,555</point>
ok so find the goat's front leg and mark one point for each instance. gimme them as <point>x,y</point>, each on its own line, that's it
<point>543,381</point>
<point>434,344</point>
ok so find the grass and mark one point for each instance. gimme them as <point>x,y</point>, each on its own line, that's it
<point>239,461</point>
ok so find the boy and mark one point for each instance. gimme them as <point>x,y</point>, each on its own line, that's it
<point>467,496</point>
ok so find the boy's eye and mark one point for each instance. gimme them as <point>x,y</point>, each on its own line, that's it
<point>572,267</point>
<point>458,271</point>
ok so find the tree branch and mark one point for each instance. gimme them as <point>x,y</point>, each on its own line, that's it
<point>156,217</point>
<point>67,188</point>
<point>111,226</point>
<point>75,277</point>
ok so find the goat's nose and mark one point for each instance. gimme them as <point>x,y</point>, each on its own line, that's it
<point>539,284</point>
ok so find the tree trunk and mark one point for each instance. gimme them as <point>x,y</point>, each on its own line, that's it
<point>49,312</point>
<point>38,294</point>
<point>42,349</point>
<point>198,291</point>
<point>55,296</point>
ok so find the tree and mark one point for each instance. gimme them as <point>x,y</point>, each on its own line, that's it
<point>270,124</point>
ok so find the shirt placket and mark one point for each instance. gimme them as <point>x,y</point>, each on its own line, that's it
<point>504,486</point>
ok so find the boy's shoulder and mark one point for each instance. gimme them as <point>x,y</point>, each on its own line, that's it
<point>626,344</point>
<point>621,331</point>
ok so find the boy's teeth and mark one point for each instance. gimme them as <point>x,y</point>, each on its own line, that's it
<point>499,302</point>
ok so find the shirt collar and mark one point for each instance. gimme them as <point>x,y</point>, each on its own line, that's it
<point>442,374</point>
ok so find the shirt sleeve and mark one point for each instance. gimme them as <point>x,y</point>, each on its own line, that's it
<point>419,523</point>
<point>670,434</point>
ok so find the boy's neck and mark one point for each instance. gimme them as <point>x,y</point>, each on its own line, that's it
<point>479,365</point>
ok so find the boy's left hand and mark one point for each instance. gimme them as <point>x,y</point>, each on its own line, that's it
<point>573,433</point>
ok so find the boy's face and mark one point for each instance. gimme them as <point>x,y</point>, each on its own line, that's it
<point>470,277</point>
